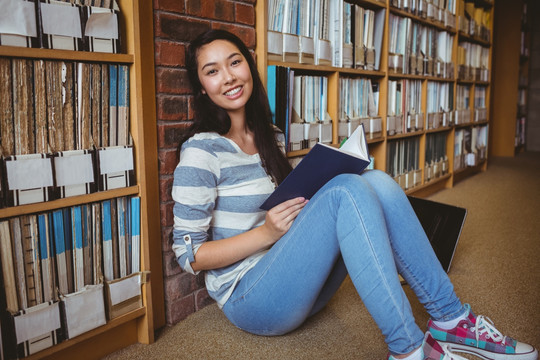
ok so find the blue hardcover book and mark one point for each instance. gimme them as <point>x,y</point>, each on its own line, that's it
<point>271,90</point>
<point>135,234</point>
<point>123,105</point>
<point>60,251</point>
<point>122,255</point>
<point>319,166</point>
<point>77,252</point>
<point>47,276</point>
<point>107,247</point>
<point>129,248</point>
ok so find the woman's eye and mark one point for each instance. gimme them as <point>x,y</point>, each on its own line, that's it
<point>211,72</point>
<point>236,62</point>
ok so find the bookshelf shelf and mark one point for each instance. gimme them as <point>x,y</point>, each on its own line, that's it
<point>31,53</point>
<point>67,202</point>
<point>406,135</point>
<point>422,20</point>
<point>439,130</point>
<point>112,324</point>
<point>376,140</point>
<point>474,39</point>
<point>433,182</point>
<point>327,69</point>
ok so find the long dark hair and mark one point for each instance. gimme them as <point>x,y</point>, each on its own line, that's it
<point>211,118</point>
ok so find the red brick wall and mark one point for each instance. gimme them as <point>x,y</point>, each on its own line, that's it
<point>176,22</point>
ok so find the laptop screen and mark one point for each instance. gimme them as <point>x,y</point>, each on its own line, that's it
<point>443,224</point>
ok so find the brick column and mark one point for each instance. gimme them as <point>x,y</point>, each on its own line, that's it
<point>176,23</point>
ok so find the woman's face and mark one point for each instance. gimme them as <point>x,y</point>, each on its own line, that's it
<point>225,75</point>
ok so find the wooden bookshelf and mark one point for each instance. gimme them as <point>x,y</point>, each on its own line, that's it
<point>136,23</point>
<point>380,148</point>
<point>510,67</point>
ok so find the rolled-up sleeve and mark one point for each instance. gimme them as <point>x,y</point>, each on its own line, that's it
<point>194,192</point>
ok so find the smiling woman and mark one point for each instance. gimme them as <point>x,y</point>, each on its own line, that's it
<point>225,77</point>
<point>271,270</point>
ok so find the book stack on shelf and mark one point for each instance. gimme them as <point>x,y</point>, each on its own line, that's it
<point>418,49</point>
<point>441,12</point>
<point>83,25</point>
<point>440,105</point>
<point>359,104</point>
<point>437,163</point>
<point>430,80</point>
<point>475,19</point>
<point>71,205</point>
<point>404,162</point>
<point>405,113</point>
<point>470,146</point>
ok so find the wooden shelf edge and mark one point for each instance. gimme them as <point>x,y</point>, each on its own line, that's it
<point>425,21</point>
<point>111,324</point>
<point>34,53</point>
<point>327,69</point>
<point>472,123</point>
<point>406,135</point>
<point>430,187</point>
<point>439,129</point>
<point>67,202</point>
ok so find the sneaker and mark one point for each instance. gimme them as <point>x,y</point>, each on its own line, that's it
<point>432,350</point>
<point>478,336</point>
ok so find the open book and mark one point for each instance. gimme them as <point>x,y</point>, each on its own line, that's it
<point>320,165</point>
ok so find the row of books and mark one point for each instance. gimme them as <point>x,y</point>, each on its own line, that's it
<point>442,12</point>
<point>475,20</point>
<point>64,174</point>
<point>403,162</point>
<point>84,25</point>
<point>470,146</point>
<point>310,121</point>
<point>67,271</point>
<point>299,107</point>
<point>61,251</point>
<point>50,106</point>
<point>404,106</point>
<point>418,49</point>
<point>440,97</point>
<point>358,98</point>
<point>358,104</point>
<point>325,32</point>
<point>436,163</point>
<point>440,105</point>
<point>473,62</point>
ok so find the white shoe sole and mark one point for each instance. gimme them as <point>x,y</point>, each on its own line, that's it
<point>488,355</point>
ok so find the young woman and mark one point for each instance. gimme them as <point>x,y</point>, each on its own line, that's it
<point>270,271</point>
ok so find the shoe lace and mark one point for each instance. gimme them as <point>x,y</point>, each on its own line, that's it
<point>485,325</point>
<point>448,355</point>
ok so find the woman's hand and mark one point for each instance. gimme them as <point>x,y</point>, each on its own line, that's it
<point>224,252</point>
<point>280,218</point>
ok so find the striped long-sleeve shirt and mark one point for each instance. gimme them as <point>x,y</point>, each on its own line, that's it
<point>217,191</point>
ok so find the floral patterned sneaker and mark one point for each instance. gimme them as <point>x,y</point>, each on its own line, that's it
<point>432,350</point>
<point>478,336</point>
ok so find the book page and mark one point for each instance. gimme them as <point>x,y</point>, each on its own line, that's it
<point>356,144</point>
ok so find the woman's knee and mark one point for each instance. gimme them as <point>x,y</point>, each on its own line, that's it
<point>383,184</point>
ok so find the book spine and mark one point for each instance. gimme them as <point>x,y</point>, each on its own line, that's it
<point>136,233</point>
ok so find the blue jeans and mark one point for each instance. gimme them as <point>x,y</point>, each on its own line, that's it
<point>363,226</point>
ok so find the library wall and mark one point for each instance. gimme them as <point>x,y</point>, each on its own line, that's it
<point>176,23</point>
